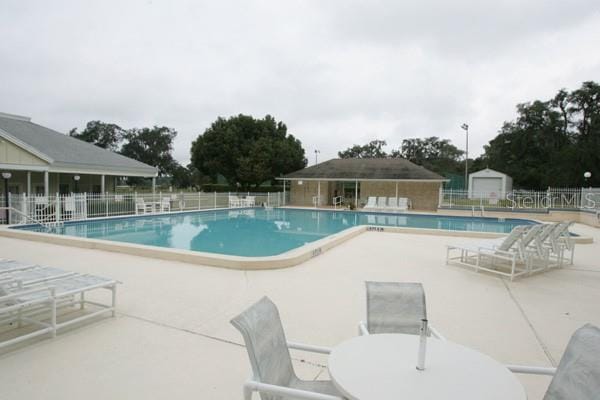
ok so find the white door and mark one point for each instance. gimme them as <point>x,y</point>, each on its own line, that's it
<point>486,187</point>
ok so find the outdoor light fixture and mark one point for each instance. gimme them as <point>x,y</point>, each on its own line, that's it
<point>76,178</point>
<point>587,175</point>
<point>6,175</point>
<point>299,182</point>
<point>317,152</point>
<point>465,127</point>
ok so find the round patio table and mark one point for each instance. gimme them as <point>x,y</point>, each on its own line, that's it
<point>383,367</point>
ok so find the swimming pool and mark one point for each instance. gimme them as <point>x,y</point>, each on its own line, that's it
<point>258,232</point>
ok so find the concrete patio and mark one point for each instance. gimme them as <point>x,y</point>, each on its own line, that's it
<point>172,339</point>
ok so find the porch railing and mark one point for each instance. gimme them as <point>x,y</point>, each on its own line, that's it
<point>72,207</point>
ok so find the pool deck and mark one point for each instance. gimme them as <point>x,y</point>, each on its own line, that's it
<point>171,338</point>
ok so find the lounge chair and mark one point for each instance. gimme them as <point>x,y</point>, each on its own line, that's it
<point>561,241</point>
<point>395,307</point>
<point>234,201</point>
<point>273,374</point>
<point>381,203</point>
<point>403,204</point>
<point>508,249</point>
<point>141,207</point>
<point>165,204</point>
<point>371,203</point>
<point>30,302</point>
<point>392,203</point>
<point>577,376</point>
<point>249,201</point>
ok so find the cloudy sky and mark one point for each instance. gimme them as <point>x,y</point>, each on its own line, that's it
<point>336,72</point>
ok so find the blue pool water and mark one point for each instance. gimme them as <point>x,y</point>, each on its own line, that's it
<point>258,232</point>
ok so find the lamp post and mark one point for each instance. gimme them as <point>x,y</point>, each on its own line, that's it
<point>316,156</point>
<point>76,178</point>
<point>587,175</point>
<point>6,176</point>
<point>465,127</point>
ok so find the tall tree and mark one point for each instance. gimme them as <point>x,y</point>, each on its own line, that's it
<point>107,136</point>
<point>246,150</point>
<point>152,146</point>
<point>438,155</point>
<point>373,149</point>
<point>551,143</point>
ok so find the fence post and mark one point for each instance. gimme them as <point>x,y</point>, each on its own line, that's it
<point>199,200</point>
<point>182,202</point>
<point>24,208</point>
<point>159,201</point>
<point>135,202</point>
<point>106,203</point>
<point>57,208</point>
<point>215,199</point>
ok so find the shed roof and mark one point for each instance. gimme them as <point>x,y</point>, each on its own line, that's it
<point>65,152</point>
<point>365,169</point>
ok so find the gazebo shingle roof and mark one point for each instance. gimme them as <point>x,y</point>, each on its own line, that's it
<point>365,168</point>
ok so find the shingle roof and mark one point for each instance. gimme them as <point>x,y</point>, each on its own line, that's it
<point>62,151</point>
<point>366,168</point>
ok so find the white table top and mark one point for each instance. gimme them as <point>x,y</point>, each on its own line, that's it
<point>382,367</point>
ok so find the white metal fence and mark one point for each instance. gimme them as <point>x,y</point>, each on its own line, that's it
<point>552,198</point>
<point>59,208</point>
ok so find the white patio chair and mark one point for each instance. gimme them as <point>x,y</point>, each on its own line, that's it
<point>577,376</point>
<point>560,241</point>
<point>250,201</point>
<point>140,206</point>
<point>165,204</point>
<point>234,201</point>
<point>371,203</point>
<point>22,302</point>
<point>395,307</point>
<point>392,203</point>
<point>273,374</point>
<point>507,249</point>
<point>403,204</point>
<point>381,202</point>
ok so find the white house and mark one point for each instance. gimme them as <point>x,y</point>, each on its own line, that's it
<point>489,183</point>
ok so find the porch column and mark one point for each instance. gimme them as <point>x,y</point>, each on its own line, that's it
<point>102,184</point>
<point>153,184</point>
<point>356,194</point>
<point>318,194</point>
<point>46,183</point>
<point>28,183</point>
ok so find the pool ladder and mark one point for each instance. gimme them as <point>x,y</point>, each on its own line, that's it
<point>473,211</point>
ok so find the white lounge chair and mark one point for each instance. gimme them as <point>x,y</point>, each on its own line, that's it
<point>395,307</point>
<point>508,249</point>
<point>165,204</point>
<point>403,204</point>
<point>234,201</point>
<point>30,302</point>
<point>392,203</point>
<point>371,203</point>
<point>381,202</point>
<point>249,201</point>
<point>273,375</point>
<point>577,376</point>
<point>141,207</point>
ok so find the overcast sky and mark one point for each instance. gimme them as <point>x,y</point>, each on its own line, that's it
<point>336,72</point>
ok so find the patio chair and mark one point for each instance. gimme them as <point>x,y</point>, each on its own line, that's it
<point>250,201</point>
<point>140,206</point>
<point>273,374</point>
<point>381,202</point>
<point>577,376</point>
<point>560,241</point>
<point>371,203</point>
<point>508,249</point>
<point>392,203</point>
<point>165,204</point>
<point>403,204</point>
<point>234,201</point>
<point>22,303</point>
<point>395,307</point>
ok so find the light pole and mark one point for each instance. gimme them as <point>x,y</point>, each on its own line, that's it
<point>6,176</point>
<point>76,178</point>
<point>587,175</point>
<point>316,156</point>
<point>466,129</point>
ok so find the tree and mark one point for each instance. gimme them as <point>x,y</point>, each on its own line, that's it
<point>152,146</point>
<point>373,149</point>
<point>246,150</point>
<point>433,153</point>
<point>107,136</point>
<point>550,143</point>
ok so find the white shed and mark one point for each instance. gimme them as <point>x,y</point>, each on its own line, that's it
<point>488,183</point>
